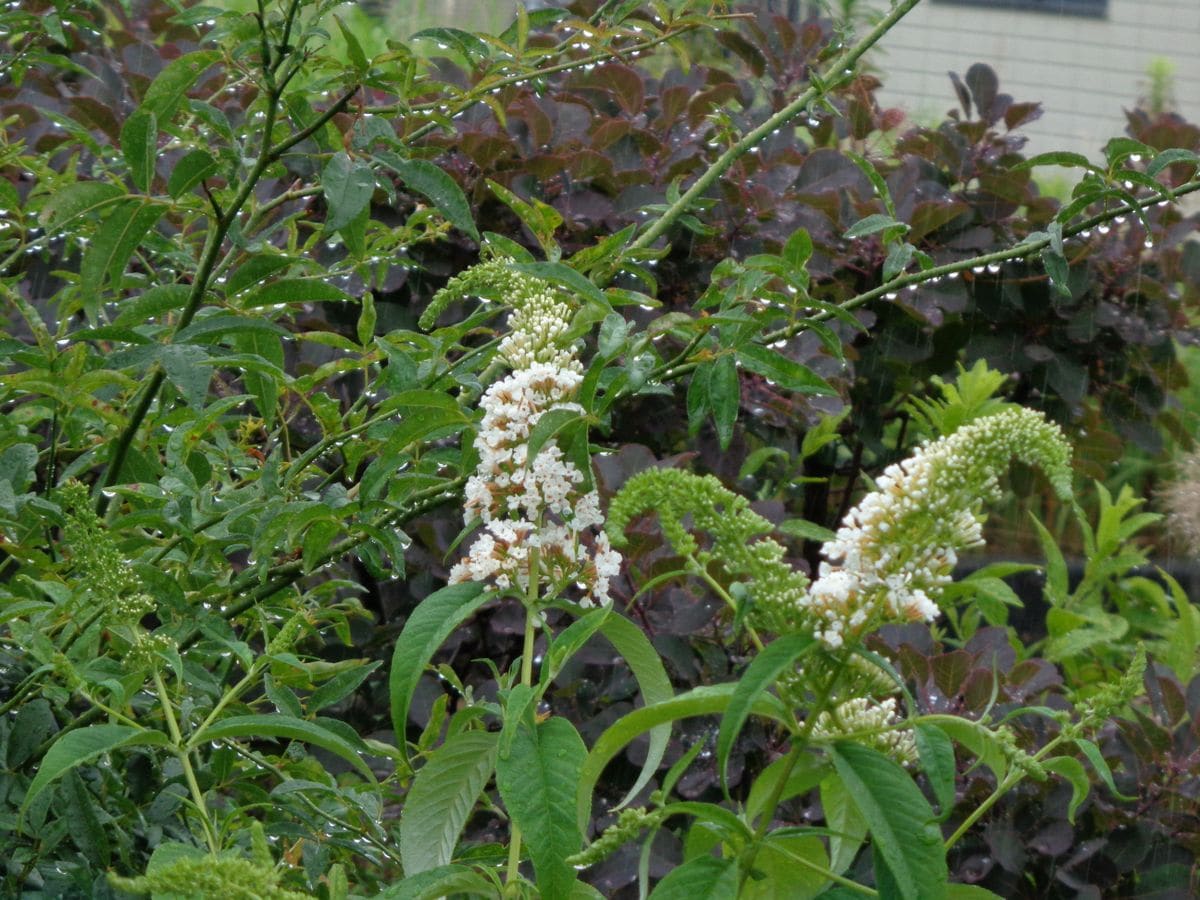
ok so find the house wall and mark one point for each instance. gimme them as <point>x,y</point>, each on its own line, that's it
<point>1085,71</point>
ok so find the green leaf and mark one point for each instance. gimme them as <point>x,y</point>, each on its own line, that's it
<point>809,531</point>
<point>798,249</point>
<point>937,761</point>
<point>426,629</point>
<point>703,878</point>
<point>139,146</point>
<point>281,726</point>
<point>442,798</point>
<point>1056,566</point>
<point>354,50</point>
<point>193,168</point>
<point>760,675</point>
<point>154,302</point>
<point>786,864</point>
<point>436,186</point>
<point>550,424</point>
<point>1058,158</point>
<point>1072,770</point>
<point>185,369</point>
<point>725,397</point>
<point>646,664</point>
<point>787,373</point>
<point>868,169</point>
<point>262,386</point>
<point>842,816</point>
<point>348,185</point>
<point>76,200</point>
<point>294,290</point>
<point>1171,157</point>
<point>1058,271</point>
<point>976,737</point>
<point>115,242</point>
<point>1100,764</point>
<point>171,85</point>
<point>873,224</point>
<point>82,746</point>
<point>538,782</point>
<point>700,701</point>
<point>903,831</point>
<point>436,884</point>
<point>340,685</point>
<point>804,775</point>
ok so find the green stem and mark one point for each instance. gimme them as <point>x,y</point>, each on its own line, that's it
<point>1011,780</point>
<point>531,598</point>
<point>720,591</point>
<point>181,752</point>
<point>833,75</point>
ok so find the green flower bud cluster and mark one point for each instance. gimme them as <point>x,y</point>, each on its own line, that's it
<point>628,826</point>
<point>230,878</point>
<point>96,562</point>
<point>777,590</point>
<point>1112,697</point>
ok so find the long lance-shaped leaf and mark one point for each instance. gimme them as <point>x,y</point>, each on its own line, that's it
<point>702,701</point>
<point>426,630</point>
<point>82,746</point>
<point>537,781</point>
<point>903,832</point>
<point>759,676</point>
<point>645,663</point>
<point>280,726</point>
<point>442,798</point>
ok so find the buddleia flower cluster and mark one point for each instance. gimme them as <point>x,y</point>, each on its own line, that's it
<point>533,508</point>
<point>896,550</point>
<point>870,722</point>
<point>739,542</point>
<point>114,588</point>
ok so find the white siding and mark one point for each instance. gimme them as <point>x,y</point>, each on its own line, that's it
<point>1084,71</point>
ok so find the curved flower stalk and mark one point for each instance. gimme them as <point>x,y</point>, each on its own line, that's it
<point>895,551</point>
<point>535,511</point>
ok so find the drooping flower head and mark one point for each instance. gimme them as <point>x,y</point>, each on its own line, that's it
<point>533,510</point>
<point>895,551</point>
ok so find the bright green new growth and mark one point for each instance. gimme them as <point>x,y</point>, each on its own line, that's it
<point>776,588</point>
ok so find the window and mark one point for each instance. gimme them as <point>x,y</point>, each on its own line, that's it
<point>1096,8</point>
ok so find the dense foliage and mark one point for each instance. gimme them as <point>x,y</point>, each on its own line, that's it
<point>539,463</point>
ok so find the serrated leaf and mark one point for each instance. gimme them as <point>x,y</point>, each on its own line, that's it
<point>761,674</point>
<point>442,798</point>
<point>256,727</point>
<point>790,866</point>
<point>139,146</point>
<point>348,185</point>
<point>779,369</point>
<point>1058,271</point>
<point>798,249</point>
<point>193,168</point>
<point>436,186</point>
<point>426,629</point>
<point>83,745</point>
<point>76,200</point>
<point>153,303</point>
<point>902,824</point>
<point>538,784</point>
